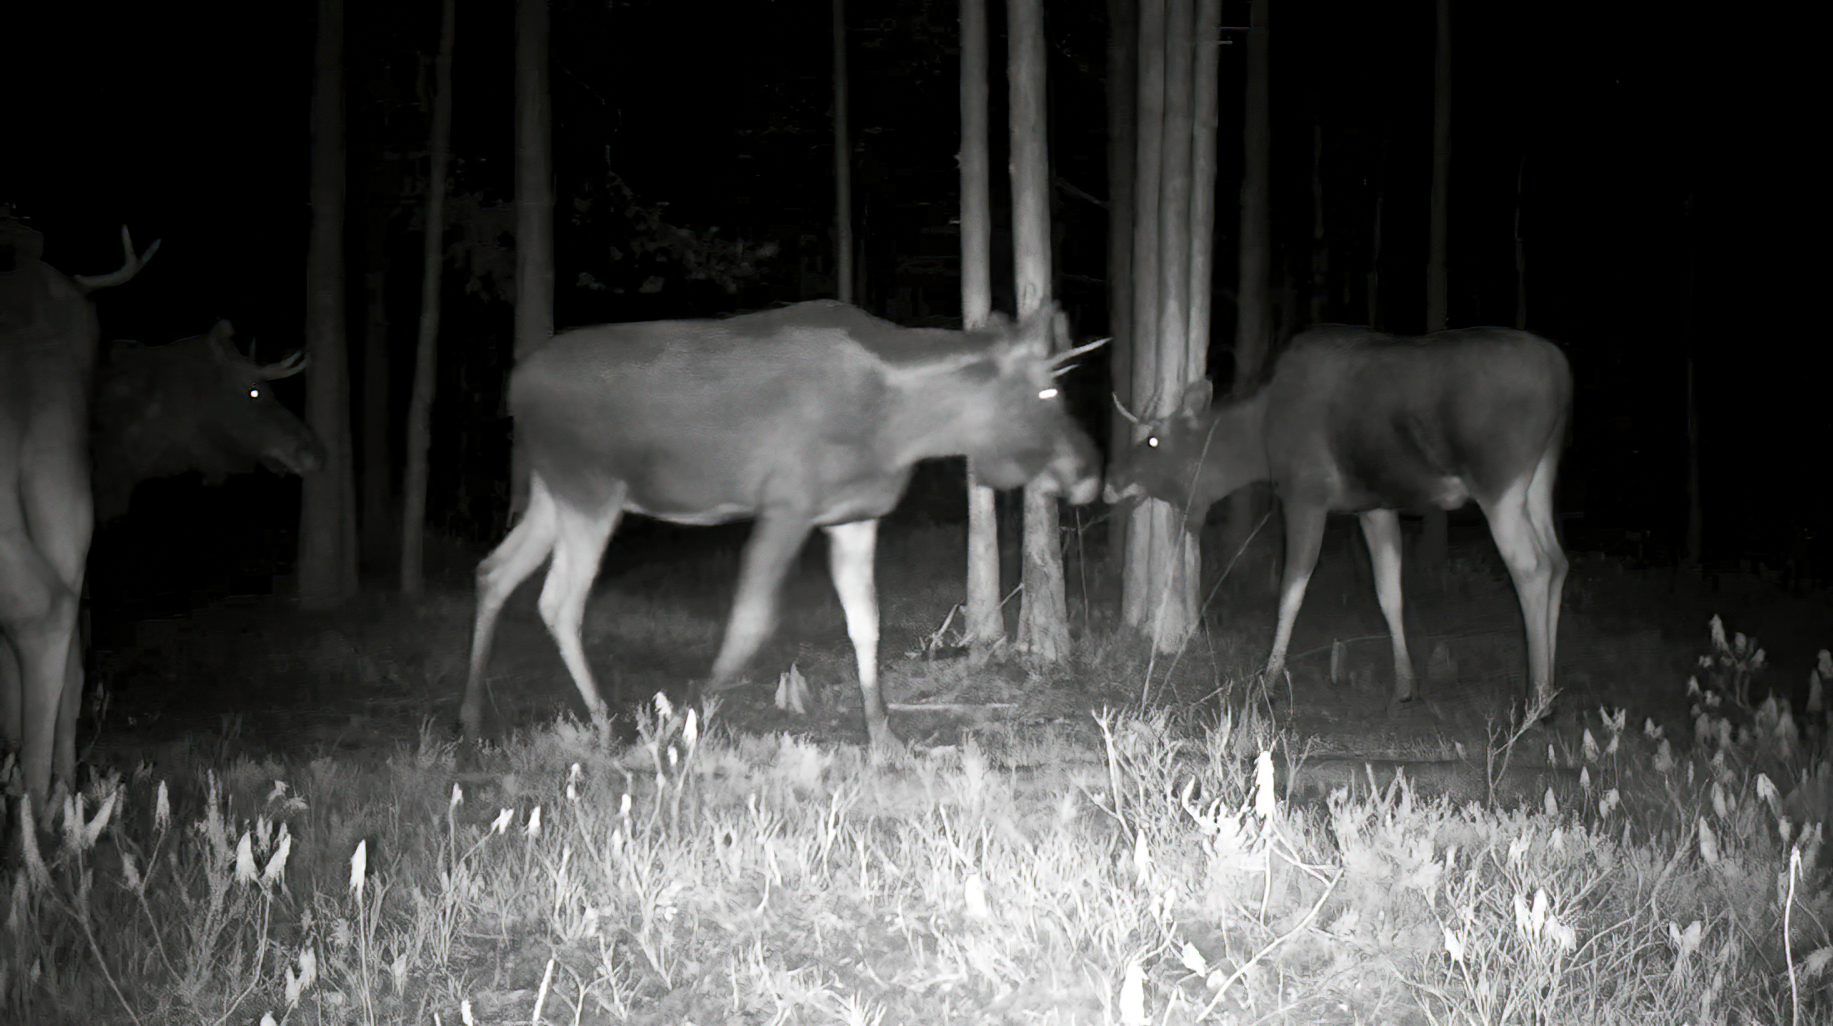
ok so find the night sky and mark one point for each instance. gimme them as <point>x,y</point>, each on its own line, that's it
<point>1661,151</point>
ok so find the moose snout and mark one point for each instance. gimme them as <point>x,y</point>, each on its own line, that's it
<point>1126,491</point>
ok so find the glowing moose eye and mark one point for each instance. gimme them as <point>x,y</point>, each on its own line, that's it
<point>1048,393</point>
<point>253,392</point>
<point>1152,441</point>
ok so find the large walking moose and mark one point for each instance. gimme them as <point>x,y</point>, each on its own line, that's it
<point>809,416</point>
<point>1356,421</point>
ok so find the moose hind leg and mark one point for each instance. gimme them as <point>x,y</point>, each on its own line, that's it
<point>1548,552</point>
<point>851,549</point>
<point>529,542</point>
<point>1381,529</point>
<point>1536,565</point>
<point>579,543</point>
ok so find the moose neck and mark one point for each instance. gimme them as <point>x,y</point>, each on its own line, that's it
<point>930,413</point>
<point>1235,449</point>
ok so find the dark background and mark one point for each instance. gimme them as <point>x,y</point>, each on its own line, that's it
<point>1661,154</point>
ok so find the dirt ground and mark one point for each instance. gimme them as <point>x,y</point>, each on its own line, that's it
<point>258,677</point>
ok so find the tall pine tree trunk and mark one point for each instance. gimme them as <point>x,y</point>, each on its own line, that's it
<point>327,518</point>
<point>1043,618</point>
<point>986,627</point>
<point>1122,93</point>
<point>426,349</point>
<point>1319,311</point>
<point>1150,522</point>
<point>377,490</point>
<point>843,166</point>
<point>1435,540</point>
<point>1254,309</point>
<point>1520,251</point>
<point>534,183</point>
<point>1159,592</point>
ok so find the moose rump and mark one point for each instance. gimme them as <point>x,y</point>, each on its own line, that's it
<point>810,416</point>
<point>1356,421</point>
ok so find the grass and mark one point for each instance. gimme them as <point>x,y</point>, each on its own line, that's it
<point>1145,871</point>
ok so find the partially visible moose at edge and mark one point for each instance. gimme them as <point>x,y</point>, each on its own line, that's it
<point>1356,421</point>
<point>143,413</point>
<point>49,336</point>
<point>809,416</point>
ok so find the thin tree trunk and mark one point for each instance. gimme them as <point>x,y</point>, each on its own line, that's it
<point>843,166</point>
<point>534,183</point>
<point>1254,316</point>
<point>1437,284</point>
<point>1122,93</point>
<point>1696,511</point>
<point>1374,252</point>
<point>1043,617</point>
<point>426,349</point>
<point>1150,522</point>
<point>1254,309</point>
<point>985,626</point>
<point>377,430</point>
<point>327,532</point>
<point>1435,540</point>
<point>1320,243</point>
<point>1520,252</point>
<point>1203,184</point>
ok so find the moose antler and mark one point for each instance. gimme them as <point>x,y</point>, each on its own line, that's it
<point>130,267</point>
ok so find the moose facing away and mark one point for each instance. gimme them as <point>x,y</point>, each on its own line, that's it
<point>1356,421</point>
<point>49,338</point>
<point>809,416</point>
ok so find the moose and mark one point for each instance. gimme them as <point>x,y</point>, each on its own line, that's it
<point>1356,421</point>
<point>49,337</point>
<point>808,416</point>
<point>149,412</point>
<point>198,405</point>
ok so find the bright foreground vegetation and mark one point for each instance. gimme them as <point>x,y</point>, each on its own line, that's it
<point>1139,871</point>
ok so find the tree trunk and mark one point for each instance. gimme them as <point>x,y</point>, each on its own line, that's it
<point>1122,92</point>
<point>1203,184</point>
<point>1374,251</point>
<point>426,350</point>
<point>327,529</point>
<point>377,493</point>
<point>1319,311</point>
<point>1254,309</point>
<point>1150,522</point>
<point>843,166</point>
<point>534,183</point>
<point>1160,587</point>
<point>1696,510</point>
<point>1174,609</point>
<point>1043,617</point>
<point>1435,540</point>
<point>1520,252</point>
<point>985,627</point>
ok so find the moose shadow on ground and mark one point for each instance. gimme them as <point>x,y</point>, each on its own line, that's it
<point>258,678</point>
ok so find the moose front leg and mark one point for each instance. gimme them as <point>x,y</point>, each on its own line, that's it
<point>1304,535</point>
<point>851,549</point>
<point>1381,529</point>
<point>773,545</point>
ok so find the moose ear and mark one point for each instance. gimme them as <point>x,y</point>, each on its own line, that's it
<point>1197,396</point>
<point>221,341</point>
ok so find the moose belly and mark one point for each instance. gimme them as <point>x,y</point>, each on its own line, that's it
<point>1415,495</point>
